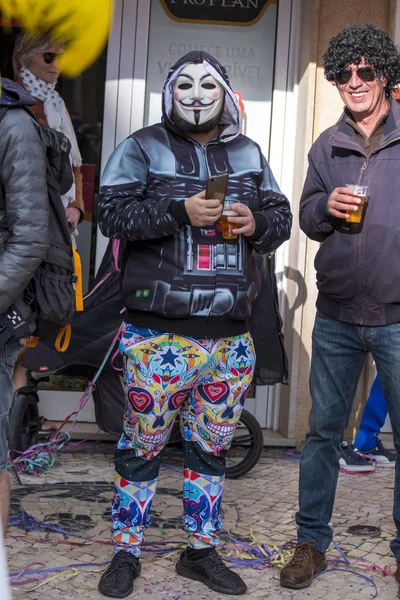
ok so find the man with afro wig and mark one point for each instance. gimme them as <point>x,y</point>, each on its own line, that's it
<point>358,276</point>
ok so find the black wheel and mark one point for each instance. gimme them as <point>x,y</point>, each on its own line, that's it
<point>246,448</point>
<point>23,420</point>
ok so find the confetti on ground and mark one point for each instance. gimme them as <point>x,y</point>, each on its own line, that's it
<point>66,528</point>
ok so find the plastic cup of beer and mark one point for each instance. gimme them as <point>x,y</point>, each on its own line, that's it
<point>361,191</point>
<point>227,227</point>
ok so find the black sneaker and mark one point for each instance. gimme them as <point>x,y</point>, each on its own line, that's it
<point>382,456</point>
<point>117,580</point>
<point>212,571</point>
<point>352,462</point>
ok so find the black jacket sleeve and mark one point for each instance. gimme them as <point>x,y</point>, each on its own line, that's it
<point>23,177</point>
<point>315,220</point>
<point>124,211</point>
<point>273,218</point>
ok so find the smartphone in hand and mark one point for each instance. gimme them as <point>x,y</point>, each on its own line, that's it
<point>216,187</point>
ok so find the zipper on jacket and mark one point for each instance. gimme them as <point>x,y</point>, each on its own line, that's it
<point>363,171</point>
<point>359,277</point>
<point>204,153</point>
<point>359,280</point>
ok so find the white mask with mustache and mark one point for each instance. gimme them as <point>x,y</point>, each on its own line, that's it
<point>198,97</point>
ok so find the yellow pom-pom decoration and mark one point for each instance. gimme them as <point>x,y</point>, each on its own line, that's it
<point>83,25</point>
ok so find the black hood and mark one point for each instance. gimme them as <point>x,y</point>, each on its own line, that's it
<point>197,57</point>
<point>231,118</point>
<point>13,94</point>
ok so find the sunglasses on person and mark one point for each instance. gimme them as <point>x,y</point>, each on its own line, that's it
<point>366,74</point>
<point>49,57</point>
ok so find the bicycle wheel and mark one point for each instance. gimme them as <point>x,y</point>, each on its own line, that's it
<point>23,420</point>
<point>246,448</point>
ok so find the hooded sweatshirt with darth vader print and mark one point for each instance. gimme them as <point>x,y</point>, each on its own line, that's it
<point>176,277</point>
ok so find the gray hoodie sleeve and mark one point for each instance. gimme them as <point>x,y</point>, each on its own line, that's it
<point>24,239</point>
<point>124,211</point>
<point>315,220</point>
<point>273,218</point>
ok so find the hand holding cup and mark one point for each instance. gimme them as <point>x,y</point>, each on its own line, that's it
<point>201,210</point>
<point>242,220</point>
<point>347,202</point>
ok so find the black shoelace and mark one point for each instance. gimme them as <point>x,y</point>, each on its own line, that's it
<point>122,559</point>
<point>302,555</point>
<point>216,563</point>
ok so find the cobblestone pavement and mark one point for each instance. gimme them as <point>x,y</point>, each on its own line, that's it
<point>75,496</point>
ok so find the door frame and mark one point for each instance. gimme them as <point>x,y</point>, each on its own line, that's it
<point>282,160</point>
<point>125,83</point>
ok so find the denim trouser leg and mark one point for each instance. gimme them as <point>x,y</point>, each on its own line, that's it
<point>338,355</point>
<point>373,418</point>
<point>386,352</point>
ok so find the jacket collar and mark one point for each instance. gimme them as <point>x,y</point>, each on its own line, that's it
<point>342,134</point>
<point>13,94</point>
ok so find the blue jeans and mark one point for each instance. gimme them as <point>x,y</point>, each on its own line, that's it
<point>8,357</point>
<point>338,354</point>
<point>373,418</point>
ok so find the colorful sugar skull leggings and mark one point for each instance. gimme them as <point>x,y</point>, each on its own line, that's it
<point>206,381</point>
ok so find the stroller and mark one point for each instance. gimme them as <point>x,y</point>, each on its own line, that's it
<point>88,347</point>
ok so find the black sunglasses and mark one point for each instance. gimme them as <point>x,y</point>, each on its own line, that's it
<point>365,73</point>
<point>49,57</point>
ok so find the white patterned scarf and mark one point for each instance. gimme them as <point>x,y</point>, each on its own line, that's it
<point>57,117</point>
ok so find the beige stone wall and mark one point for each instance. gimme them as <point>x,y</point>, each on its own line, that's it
<point>319,108</point>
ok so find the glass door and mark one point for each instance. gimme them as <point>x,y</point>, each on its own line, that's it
<point>243,37</point>
<point>246,49</point>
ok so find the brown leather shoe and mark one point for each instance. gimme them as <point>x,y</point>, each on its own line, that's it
<point>397,574</point>
<point>306,562</point>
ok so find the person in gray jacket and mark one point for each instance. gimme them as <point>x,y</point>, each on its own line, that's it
<point>24,216</point>
<point>358,276</point>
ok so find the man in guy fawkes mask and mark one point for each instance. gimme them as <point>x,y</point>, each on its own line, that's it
<point>198,100</point>
<point>188,294</point>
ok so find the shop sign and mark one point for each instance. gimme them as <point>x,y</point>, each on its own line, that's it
<point>221,12</point>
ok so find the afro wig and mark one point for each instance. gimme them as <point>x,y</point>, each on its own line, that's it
<point>364,41</point>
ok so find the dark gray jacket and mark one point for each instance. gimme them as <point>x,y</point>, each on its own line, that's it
<point>358,273</point>
<point>175,277</point>
<point>24,208</point>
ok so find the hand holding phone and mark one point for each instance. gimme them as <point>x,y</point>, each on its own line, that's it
<point>216,187</point>
<point>206,207</point>
<point>201,210</point>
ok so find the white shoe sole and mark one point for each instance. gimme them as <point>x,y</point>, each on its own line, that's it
<point>360,469</point>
